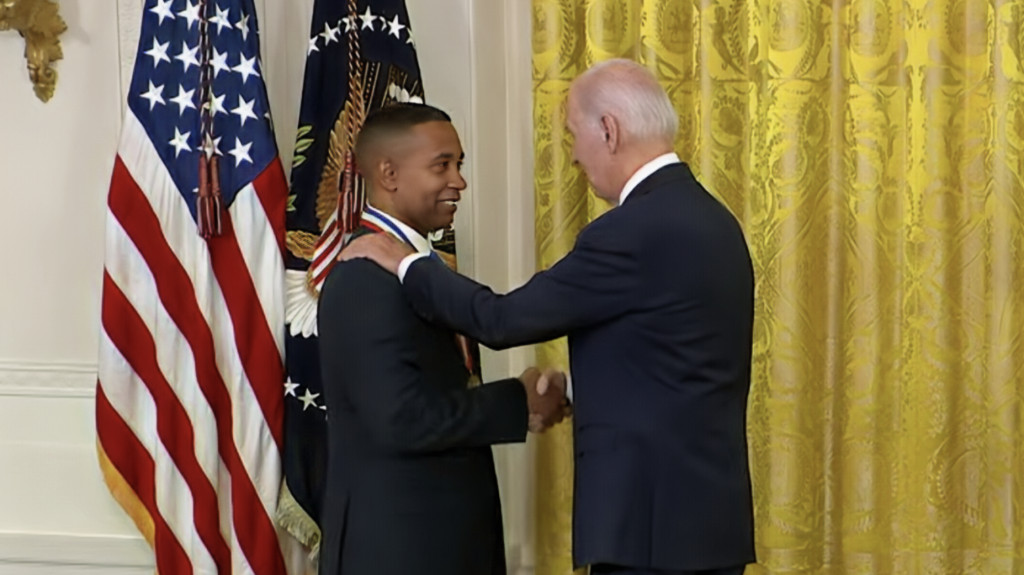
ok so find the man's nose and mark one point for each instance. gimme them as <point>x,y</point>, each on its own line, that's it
<point>459,183</point>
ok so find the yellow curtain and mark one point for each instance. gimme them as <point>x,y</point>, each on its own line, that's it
<point>874,152</point>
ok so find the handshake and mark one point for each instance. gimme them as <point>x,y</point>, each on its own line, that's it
<point>545,396</point>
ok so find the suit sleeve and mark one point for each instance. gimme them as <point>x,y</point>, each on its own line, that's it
<point>592,284</point>
<point>368,350</point>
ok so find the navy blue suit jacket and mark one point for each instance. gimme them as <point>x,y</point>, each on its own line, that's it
<point>411,486</point>
<point>657,298</point>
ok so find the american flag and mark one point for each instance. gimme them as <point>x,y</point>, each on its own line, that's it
<point>189,407</point>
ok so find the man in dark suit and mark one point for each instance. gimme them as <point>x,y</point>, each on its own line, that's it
<point>657,300</point>
<point>411,486</point>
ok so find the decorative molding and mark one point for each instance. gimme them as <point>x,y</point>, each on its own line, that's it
<point>129,26</point>
<point>53,549</point>
<point>56,379</point>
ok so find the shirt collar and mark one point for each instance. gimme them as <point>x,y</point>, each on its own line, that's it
<point>419,243</point>
<point>645,171</point>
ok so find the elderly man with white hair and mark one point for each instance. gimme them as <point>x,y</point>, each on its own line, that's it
<point>657,299</point>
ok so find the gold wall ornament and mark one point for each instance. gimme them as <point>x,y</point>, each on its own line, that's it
<point>40,24</point>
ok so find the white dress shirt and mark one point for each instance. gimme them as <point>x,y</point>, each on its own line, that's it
<point>645,172</point>
<point>640,175</point>
<point>419,243</point>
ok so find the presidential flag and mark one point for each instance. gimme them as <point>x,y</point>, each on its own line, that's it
<point>189,407</point>
<point>361,56</point>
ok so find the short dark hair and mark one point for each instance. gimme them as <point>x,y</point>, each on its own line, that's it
<point>393,120</point>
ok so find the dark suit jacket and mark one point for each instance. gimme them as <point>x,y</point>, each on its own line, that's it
<point>411,486</point>
<point>657,300</point>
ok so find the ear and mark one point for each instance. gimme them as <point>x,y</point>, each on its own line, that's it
<point>388,173</point>
<point>612,135</point>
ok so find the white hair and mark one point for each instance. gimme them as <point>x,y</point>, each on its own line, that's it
<point>630,93</point>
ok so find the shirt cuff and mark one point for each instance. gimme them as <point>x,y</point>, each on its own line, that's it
<point>407,261</point>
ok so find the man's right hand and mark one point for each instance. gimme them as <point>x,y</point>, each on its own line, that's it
<point>545,396</point>
<point>384,249</point>
<point>558,380</point>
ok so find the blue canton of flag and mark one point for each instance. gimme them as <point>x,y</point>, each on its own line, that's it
<point>339,89</point>
<point>166,93</point>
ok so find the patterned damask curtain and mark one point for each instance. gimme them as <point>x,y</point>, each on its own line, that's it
<point>874,152</point>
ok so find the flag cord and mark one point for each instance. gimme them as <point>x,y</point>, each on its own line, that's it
<point>209,202</point>
<point>350,206</point>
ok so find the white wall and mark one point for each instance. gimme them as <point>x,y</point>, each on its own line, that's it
<point>55,163</point>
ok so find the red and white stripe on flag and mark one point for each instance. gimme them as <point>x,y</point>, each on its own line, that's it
<point>189,406</point>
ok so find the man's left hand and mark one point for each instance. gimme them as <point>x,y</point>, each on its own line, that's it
<point>385,250</point>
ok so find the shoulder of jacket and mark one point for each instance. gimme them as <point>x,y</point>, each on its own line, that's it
<point>359,275</point>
